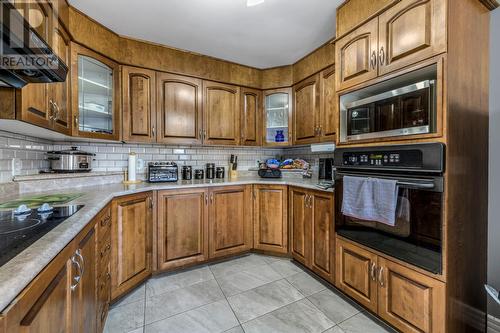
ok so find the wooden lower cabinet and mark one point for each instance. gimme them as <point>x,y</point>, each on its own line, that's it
<point>131,241</point>
<point>230,220</point>
<point>312,223</point>
<point>407,299</point>
<point>356,273</point>
<point>270,218</point>
<point>410,301</point>
<point>83,290</point>
<point>103,266</point>
<point>300,222</point>
<point>182,227</point>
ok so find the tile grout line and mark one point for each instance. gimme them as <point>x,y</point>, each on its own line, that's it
<point>225,297</point>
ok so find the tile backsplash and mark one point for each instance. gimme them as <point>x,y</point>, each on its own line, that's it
<point>28,154</point>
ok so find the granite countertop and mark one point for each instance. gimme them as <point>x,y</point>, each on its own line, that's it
<point>16,274</point>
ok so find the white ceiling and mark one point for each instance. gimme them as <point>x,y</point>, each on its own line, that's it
<point>275,33</point>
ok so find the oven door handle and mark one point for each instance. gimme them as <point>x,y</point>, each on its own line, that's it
<point>427,186</point>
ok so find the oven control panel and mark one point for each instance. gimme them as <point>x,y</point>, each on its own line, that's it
<point>406,158</point>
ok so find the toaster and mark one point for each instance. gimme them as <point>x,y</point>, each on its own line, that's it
<point>162,172</point>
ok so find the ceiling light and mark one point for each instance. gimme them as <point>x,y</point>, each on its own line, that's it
<point>251,3</point>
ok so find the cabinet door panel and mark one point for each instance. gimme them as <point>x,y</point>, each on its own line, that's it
<point>84,296</point>
<point>59,92</point>
<point>306,111</point>
<point>139,102</point>
<point>355,56</point>
<point>179,109</point>
<point>271,218</point>
<point>50,312</point>
<point>323,250</point>
<point>182,227</point>
<point>131,241</point>
<point>230,221</point>
<point>410,301</point>
<point>328,106</point>
<point>301,226</point>
<point>222,113</point>
<point>411,31</point>
<point>356,273</point>
<point>251,102</point>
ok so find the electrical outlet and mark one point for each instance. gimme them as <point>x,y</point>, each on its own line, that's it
<point>17,166</point>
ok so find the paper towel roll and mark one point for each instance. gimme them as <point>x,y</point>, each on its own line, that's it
<point>132,165</point>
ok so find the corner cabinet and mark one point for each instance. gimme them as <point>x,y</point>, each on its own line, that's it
<point>182,227</point>
<point>179,109</point>
<point>277,117</point>
<point>221,111</point>
<point>313,236</point>
<point>131,241</point>
<point>270,218</point>
<point>230,220</point>
<point>407,299</point>
<point>138,104</point>
<point>95,95</point>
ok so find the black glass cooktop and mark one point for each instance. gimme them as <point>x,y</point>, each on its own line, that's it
<point>18,231</point>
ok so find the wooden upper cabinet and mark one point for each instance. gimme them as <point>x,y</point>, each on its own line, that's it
<point>410,301</point>
<point>182,227</point>
<point>131,241</point>
<point>328,106</point>
<point>306,115</point>
<point>138,104</point>
<point>84,300</point>
<point>221,113</point>
<point>95,95</point>
<point>356,56</point>
<point>411,31</point>
<point>323,235</point>
<point>59,93</point>
<point>230,220</point>
<point>277,117</point>
<point>300,222</point>
<point>179,109</point>
<point>251,120</point>
<point>356,273</point>
<point>270,218</point>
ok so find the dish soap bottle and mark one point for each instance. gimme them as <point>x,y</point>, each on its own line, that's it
<point>279,136</point>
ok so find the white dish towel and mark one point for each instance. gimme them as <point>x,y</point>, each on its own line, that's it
<point>371,199</point>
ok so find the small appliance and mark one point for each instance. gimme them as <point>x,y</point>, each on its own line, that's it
<point>210,170</point>
<point>199,174</point>
<point>187,172</point>
<point>159,172</point>
<point>269,173</point>
<point>326,168</point>
<point>71,160</point>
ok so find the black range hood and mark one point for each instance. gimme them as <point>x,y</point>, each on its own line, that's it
<point>24,56</point>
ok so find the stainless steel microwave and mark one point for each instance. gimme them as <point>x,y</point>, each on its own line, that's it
<point>405,110</point>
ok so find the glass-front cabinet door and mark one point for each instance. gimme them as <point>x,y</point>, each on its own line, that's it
<point>95,95</point>
<point>277,117</point>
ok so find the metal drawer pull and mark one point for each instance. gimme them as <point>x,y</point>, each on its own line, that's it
<point>77,278</point>
<point>381,276</point>
<point>373,268</point>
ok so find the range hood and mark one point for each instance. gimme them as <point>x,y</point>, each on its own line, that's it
<point>24,56</point>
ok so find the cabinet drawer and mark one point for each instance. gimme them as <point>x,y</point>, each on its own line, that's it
<point>104,220</point>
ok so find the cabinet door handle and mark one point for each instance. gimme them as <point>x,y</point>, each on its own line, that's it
<point>76,120</point>
<point>212,198</point>
<point>200,134</point>
<point>381,277</point>
<point>151,203</point>
<point>373,61</point>
<point>153,130</point>
<point>51,110</point>
<point>77,278</point>
<point>82,260</point>
<point>206,199</point>
<point>381,56</point>
<point>373,273</point>
<point>254,195</point>
<point>57,110</point>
